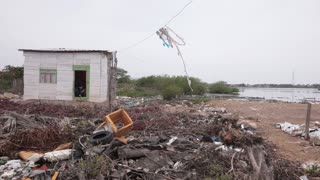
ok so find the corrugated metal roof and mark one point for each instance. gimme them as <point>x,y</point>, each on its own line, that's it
<point>65,50</point>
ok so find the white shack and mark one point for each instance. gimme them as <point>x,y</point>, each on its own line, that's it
<point>66,74</point>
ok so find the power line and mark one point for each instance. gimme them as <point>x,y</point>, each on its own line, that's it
<point>137,43</point>
<point>178,13</point>
<point>135,57</point>
<point>148,37</point>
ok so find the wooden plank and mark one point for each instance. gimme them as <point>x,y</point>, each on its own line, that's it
<point>307,137</point>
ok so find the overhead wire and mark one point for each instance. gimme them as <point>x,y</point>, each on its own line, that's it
<point>151,35</point>
<point>163,32</point>
<point>178,13</point>
<point>137,43</point>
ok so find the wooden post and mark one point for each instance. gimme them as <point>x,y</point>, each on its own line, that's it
<point>308,122</point>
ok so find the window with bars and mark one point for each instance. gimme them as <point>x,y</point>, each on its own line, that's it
<point>48,76</point>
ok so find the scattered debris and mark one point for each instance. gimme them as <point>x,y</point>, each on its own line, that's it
<point>58,155</point>
<point>288,127</point>
<point>299,130</point>
<point>30,156</point>
<point>30,132</point>
<point>179,140</point>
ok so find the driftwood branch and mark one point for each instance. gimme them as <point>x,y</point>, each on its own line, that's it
<point>231,169</point>
<point>261,170</point>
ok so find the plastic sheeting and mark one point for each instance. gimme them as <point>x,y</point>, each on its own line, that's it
<point>288,127</point>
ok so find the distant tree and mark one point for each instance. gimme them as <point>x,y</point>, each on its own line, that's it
<point>8,74</point>
<point>122,76</point>
<point>12,72</point>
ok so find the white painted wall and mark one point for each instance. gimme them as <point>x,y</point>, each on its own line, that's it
<point>63,62</point>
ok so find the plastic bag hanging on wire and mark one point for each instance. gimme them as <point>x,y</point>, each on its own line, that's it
<point>163,35</point>
<point>169,41</point>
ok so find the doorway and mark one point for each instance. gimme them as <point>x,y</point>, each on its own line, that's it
<point>80,84</point>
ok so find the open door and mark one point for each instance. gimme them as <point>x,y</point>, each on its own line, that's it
<point>81,82</point>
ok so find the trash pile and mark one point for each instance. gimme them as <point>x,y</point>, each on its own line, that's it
<point>299,131</point>
<point>179,140</point>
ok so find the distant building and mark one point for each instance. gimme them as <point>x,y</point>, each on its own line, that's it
<point>67,74</point>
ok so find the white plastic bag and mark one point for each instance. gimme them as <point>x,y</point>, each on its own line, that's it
<point>58,155</point>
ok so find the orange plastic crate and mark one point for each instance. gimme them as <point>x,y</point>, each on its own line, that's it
<point>119,116</point>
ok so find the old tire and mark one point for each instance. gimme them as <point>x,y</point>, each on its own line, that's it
<point>102,137</point>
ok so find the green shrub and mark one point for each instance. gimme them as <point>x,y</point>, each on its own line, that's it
<point>135,93</point>
<point>200,100</point>
<point>171,92</point>
<point>162,82</point>
<point>168,86</point>
<point>199,87</point>
<point>8,74</point>
<point>222,88</point>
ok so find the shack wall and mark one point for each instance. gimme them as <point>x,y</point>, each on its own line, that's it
<point>63,63</point>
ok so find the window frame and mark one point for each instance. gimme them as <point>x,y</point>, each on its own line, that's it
<point>45,72</point>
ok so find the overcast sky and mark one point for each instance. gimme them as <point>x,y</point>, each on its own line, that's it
<point>250,41</point>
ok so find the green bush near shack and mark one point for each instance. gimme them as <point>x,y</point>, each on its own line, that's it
<point>169,87</point>
<point>163,82</point>
<point>222,87</point>
<point>171,92</point>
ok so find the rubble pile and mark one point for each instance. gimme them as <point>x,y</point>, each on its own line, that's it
<point>179,140</point>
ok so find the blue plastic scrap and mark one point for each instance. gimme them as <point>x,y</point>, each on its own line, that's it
<point>213,138</point>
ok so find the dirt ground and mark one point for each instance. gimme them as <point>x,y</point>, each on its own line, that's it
<point>267,114</point>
